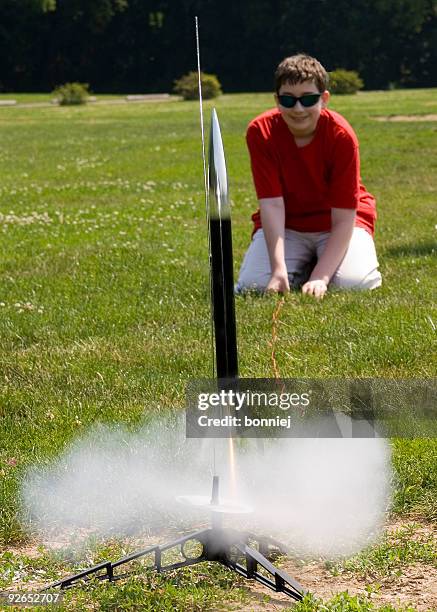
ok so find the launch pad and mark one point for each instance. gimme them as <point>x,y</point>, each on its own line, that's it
<point>243,552</point>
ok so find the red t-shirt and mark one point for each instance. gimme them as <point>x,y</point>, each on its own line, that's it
<point>323,174</point>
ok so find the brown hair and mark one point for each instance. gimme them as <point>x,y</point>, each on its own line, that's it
<point>299,68</point>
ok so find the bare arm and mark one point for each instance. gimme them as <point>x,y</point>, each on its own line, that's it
<point>342,225</point>
<point>273,224</point>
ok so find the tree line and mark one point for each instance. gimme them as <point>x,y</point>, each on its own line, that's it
<point>144,45</point>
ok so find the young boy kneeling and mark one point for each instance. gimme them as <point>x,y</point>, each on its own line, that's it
<point>312,204</point>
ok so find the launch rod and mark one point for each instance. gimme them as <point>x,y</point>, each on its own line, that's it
<point>205,179</point>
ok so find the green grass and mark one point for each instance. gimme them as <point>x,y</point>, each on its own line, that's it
<point>344,602</point>
<point>396,550</point>
<point>195,588</point>
<point>31,98</point>
<point>24,98</point>
<point>104,307</point>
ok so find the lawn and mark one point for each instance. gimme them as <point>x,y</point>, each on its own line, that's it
<point>104,294</point>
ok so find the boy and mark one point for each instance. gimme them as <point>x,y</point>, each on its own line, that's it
<point>312,204</point>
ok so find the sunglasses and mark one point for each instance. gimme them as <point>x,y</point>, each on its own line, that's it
<point>307,100</point>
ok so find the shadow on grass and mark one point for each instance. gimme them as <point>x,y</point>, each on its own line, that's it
<point>418,250</point>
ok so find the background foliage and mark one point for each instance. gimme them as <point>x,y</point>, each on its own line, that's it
<point>72,93</point>
<point>188,86</point>
<point>344,81</point>
<point>144,45</point>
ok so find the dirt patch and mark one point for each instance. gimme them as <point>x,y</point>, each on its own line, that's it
<point>417,586</point>
<point>407,118</point>
<point>414,585</point>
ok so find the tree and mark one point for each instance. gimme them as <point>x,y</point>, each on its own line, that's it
<point>144,45</point>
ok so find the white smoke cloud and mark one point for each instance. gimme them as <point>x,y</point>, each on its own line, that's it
<point>321,496</point>
<point>325,497</point>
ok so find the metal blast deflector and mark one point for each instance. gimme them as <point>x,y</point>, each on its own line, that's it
<point>222,273</point>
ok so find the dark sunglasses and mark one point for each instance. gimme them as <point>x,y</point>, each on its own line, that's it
<point>307,100</point>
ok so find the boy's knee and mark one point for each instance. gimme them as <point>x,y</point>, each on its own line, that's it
<point>372,280</point>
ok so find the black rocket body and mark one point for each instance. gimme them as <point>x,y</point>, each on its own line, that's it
<point>222,274</point>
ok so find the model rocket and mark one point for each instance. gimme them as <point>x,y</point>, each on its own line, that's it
<point>222,274</point>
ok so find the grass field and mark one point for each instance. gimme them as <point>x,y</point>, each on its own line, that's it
<point>104,305</point>
<point>47,98</point>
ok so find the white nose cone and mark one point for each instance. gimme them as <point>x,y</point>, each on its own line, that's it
<point>217,175</point>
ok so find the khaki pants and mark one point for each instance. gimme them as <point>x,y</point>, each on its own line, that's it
<point>358,269</point>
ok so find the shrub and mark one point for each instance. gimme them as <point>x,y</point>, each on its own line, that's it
<point>188,86</point>
<point>72,93</point>
<point>345,81</point>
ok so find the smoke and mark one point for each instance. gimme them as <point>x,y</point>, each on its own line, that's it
<point>321,496</point>
<point>324,497</point>
<point>113,482</point>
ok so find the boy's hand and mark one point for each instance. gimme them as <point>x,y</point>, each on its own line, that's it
<point>278,283</point>
<point>273,222</point>
<point>317,288</point>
